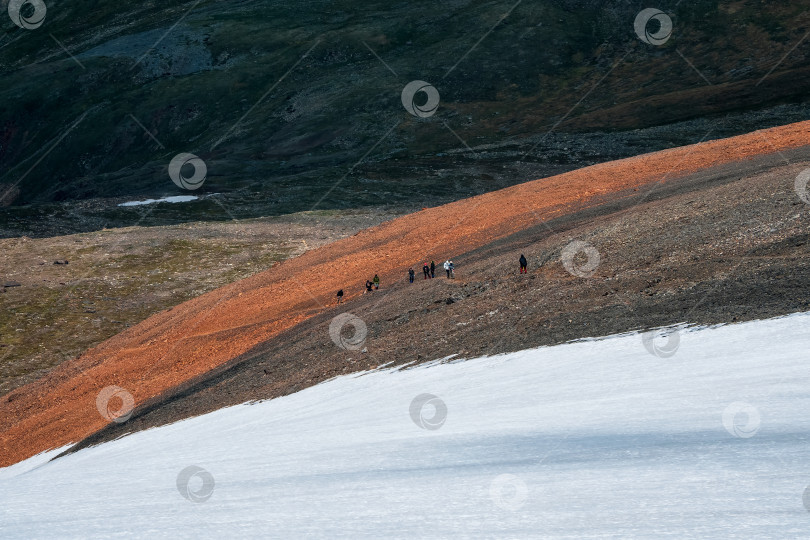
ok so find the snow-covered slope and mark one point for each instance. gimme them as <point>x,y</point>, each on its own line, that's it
<point>594,439</point>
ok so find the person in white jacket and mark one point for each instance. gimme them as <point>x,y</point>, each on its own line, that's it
<point>447,268</point>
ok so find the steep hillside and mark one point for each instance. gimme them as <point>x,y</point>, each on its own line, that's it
<point>297,105</point>
<point>175,347</point>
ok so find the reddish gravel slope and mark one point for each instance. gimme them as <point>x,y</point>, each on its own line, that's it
<point>176,345</point>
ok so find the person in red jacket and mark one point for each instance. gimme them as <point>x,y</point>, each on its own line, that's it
<point>426,270</point>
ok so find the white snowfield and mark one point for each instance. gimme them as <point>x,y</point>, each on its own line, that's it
<point>593,439</point>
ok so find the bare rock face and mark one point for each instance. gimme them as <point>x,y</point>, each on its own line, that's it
<point>177,53</point>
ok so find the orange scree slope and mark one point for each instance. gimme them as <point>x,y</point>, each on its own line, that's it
<point>201,334</point>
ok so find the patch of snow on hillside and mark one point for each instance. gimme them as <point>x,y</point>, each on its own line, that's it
<point>173,199</point>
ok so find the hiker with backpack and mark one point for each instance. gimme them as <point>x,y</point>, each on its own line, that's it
<point>447,268</point>
<point>432,269</point>
<point>523,264</point>
<point>452,268</point>
<point>340,296</point>
<point>410,275</point>
<point>369,286</point>
<point>426,270</point>
<point>376,282</point>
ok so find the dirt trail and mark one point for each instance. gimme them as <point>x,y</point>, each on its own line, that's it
<point>197,336</point>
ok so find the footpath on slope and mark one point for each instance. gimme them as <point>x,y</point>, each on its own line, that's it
<point>197,336</point>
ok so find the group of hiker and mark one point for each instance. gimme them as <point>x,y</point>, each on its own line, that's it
<point>429,271</point>
<point>371,285</point>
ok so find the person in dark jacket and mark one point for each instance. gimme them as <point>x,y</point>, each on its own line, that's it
<point>410,275</point>
<point>523,264</point>
<point>432,269</point>
<point>369,286</point>
<point>376,281</point>
<point>340,296</point>
<point>426,270</point>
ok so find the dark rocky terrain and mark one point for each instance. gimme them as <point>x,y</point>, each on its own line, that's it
<point>295,106</point>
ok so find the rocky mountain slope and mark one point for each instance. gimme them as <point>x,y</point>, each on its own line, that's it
<point>705,233</point>
<point>297,105</point>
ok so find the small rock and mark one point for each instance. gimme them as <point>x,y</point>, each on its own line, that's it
<point>61,261</point>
